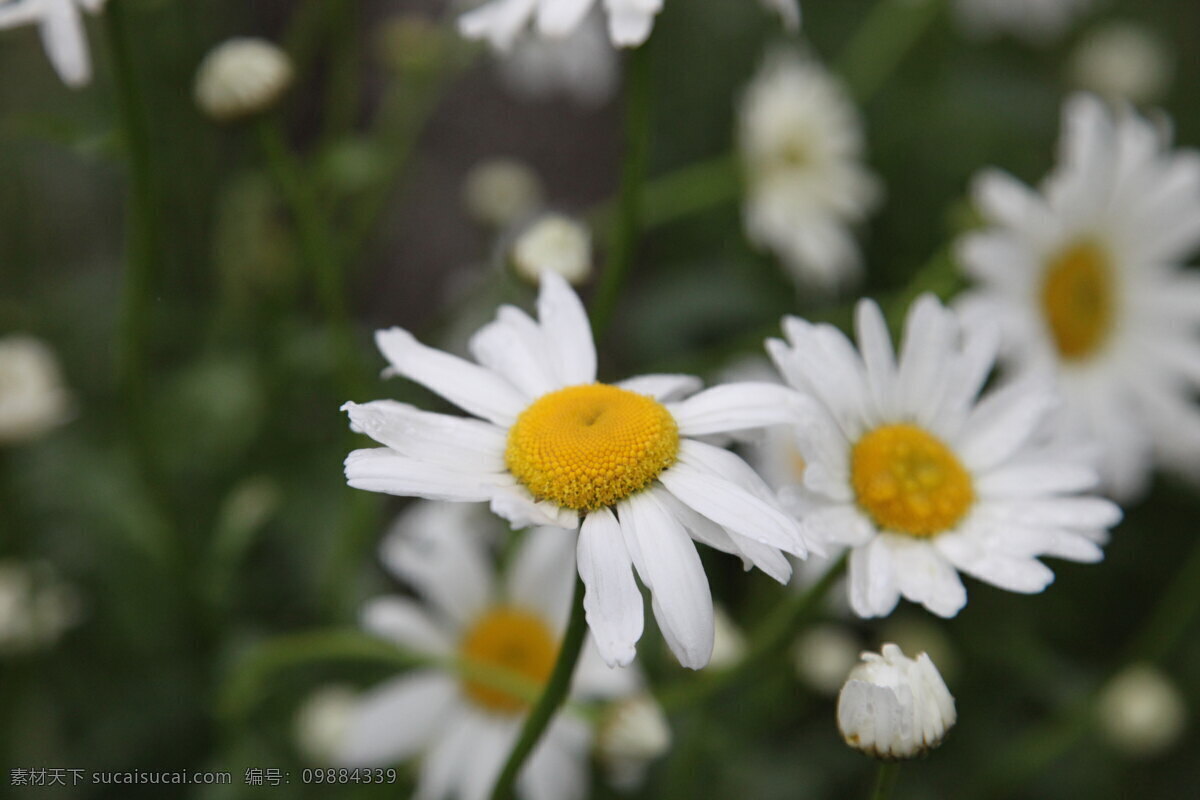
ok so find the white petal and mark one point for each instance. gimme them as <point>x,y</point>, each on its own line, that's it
<point>878,357</point>
<point>923,576</point>
<point>568,334</point>
<point>461,444</point>
<point>448,764</point>
<point>699,480</point>
<point>381,469</point>
<point>597,679</point>
<point>663,388</point>
<point>493,741</point>
<point>472,388</point>
<point>1002,422</point>
<point>499,22</point>
<point>629,23</point>
<point>517,505</point>
<point>1035,480</point>
<point>556,767</point>
<point>510,351</point>
<point>670,566</point>
<point>737,406</point>
<point>613,602</point>
<point>446,565</point>
<point>561,17</point>
<point>65,41</point>
<point>707,532</point>
<point>395,720</point>
<point>405,622</point>
<point>873,591</point>
<point>541,576</point>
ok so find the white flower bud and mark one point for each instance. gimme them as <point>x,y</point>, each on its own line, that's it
<point>1122,61</point>
<point>823,656</point>
<point>36,606</point>
<point>893,707</point>
<point>631,733</point>
<point>241,77</point>
<point>553,243</point>
<point>32,396</point>
<point>1140,711</point>
<point>729,643</point>
<point>501,192</point>
<point>322,722</point>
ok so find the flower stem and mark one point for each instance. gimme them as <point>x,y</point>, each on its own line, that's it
<point>1174,612</point>
<point>552,697</point>
<point>885,780</point>
<point>880,43</point>
<point>142,239</point>
<point>630,201</point>
<point>770,637</point>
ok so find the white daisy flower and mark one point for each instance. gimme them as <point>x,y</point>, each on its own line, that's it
<point>1085,280</point>
<point>1036,21</point>
<point>501,22</point>
<point>63,34</point>
<point>33,398</point>
<point>582,66</point>
<point>463,729</point>
<point>922,478</point>
<point>1122,61</point>
<point>621,462</point>
<point>801,144</point>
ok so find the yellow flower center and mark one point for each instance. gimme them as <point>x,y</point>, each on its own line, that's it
<point>908,481</point>
<point>513,640</point>
<point>1078,299</point>
<point>586,447</point>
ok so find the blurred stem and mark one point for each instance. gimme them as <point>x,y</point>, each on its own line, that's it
<point>142,241</point>
<point>625,227</point>
<point>552,697</point>
<point>885,780</point>
<point>1173,614</point>
<point>767,640</point>
<point>889,32</point>
<point>342,84</point>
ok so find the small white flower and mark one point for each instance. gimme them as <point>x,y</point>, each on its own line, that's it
<point>631,733</point>
<point>36,606</point>
<point>729,643</point>
<point>33,399</point>
<point>1037,21</point>
<point>64,36</point>
<point>1122,61</point>
<point>622,463</point>
<point>553,243</point>
<point>823,655</point>
<point>242,77</point>
<point>501,192</point>
<point>1141,712</point>
<point>323,721</point>
<point>907,465</point>
<point>463,728</point>
<point>801,146</point>
<point>893,707</point>
<point>582,66</point>
<point>1085,279</point>
<point>502,22</point>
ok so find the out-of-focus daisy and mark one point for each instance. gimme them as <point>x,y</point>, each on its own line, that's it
<point>36,606</point>
<point>1086,282</point>
<point>64,36</point>
<point>621,462</point>
<point>32,396</point>
<point>907,465</point>
<point>631,733</point>
<point>463,728</point>
<point>502,191</point>
<point>555,243</point>
<point>1036,21</point>
<point>801,147</point>
<point>1141,712</point>
<point>241,77</point>
<point>322,721</point>
<point>581,66</point>
<point>502,22</point>
<point>1122,61</point>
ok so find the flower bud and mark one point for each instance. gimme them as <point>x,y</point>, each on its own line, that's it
<point>242,77</point>
<point>322,722</point>
<point>32,397</point>
<point>729,643</point>
<point>631,733</point>
<point>36,606</point>
<point>553,243</point>
<point>893,707</point>
<point>501,191</point>
<point>1122,61</point>
<point>1140,711</point>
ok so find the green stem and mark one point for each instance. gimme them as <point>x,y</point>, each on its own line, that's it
<point>1172,615</point>
<point>888,33</point>
<point>885,780</point>
<point>768,639</point>
<point>630,201</point>
<point>142,240</point>
<point>552,697</point>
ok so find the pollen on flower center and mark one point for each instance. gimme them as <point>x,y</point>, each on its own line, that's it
<point>586,447</point>
<point>1078,299</point>
<point>908,481</point>
<point>510,639</point>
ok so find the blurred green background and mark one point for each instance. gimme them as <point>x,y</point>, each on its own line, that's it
<point>214,516</point>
